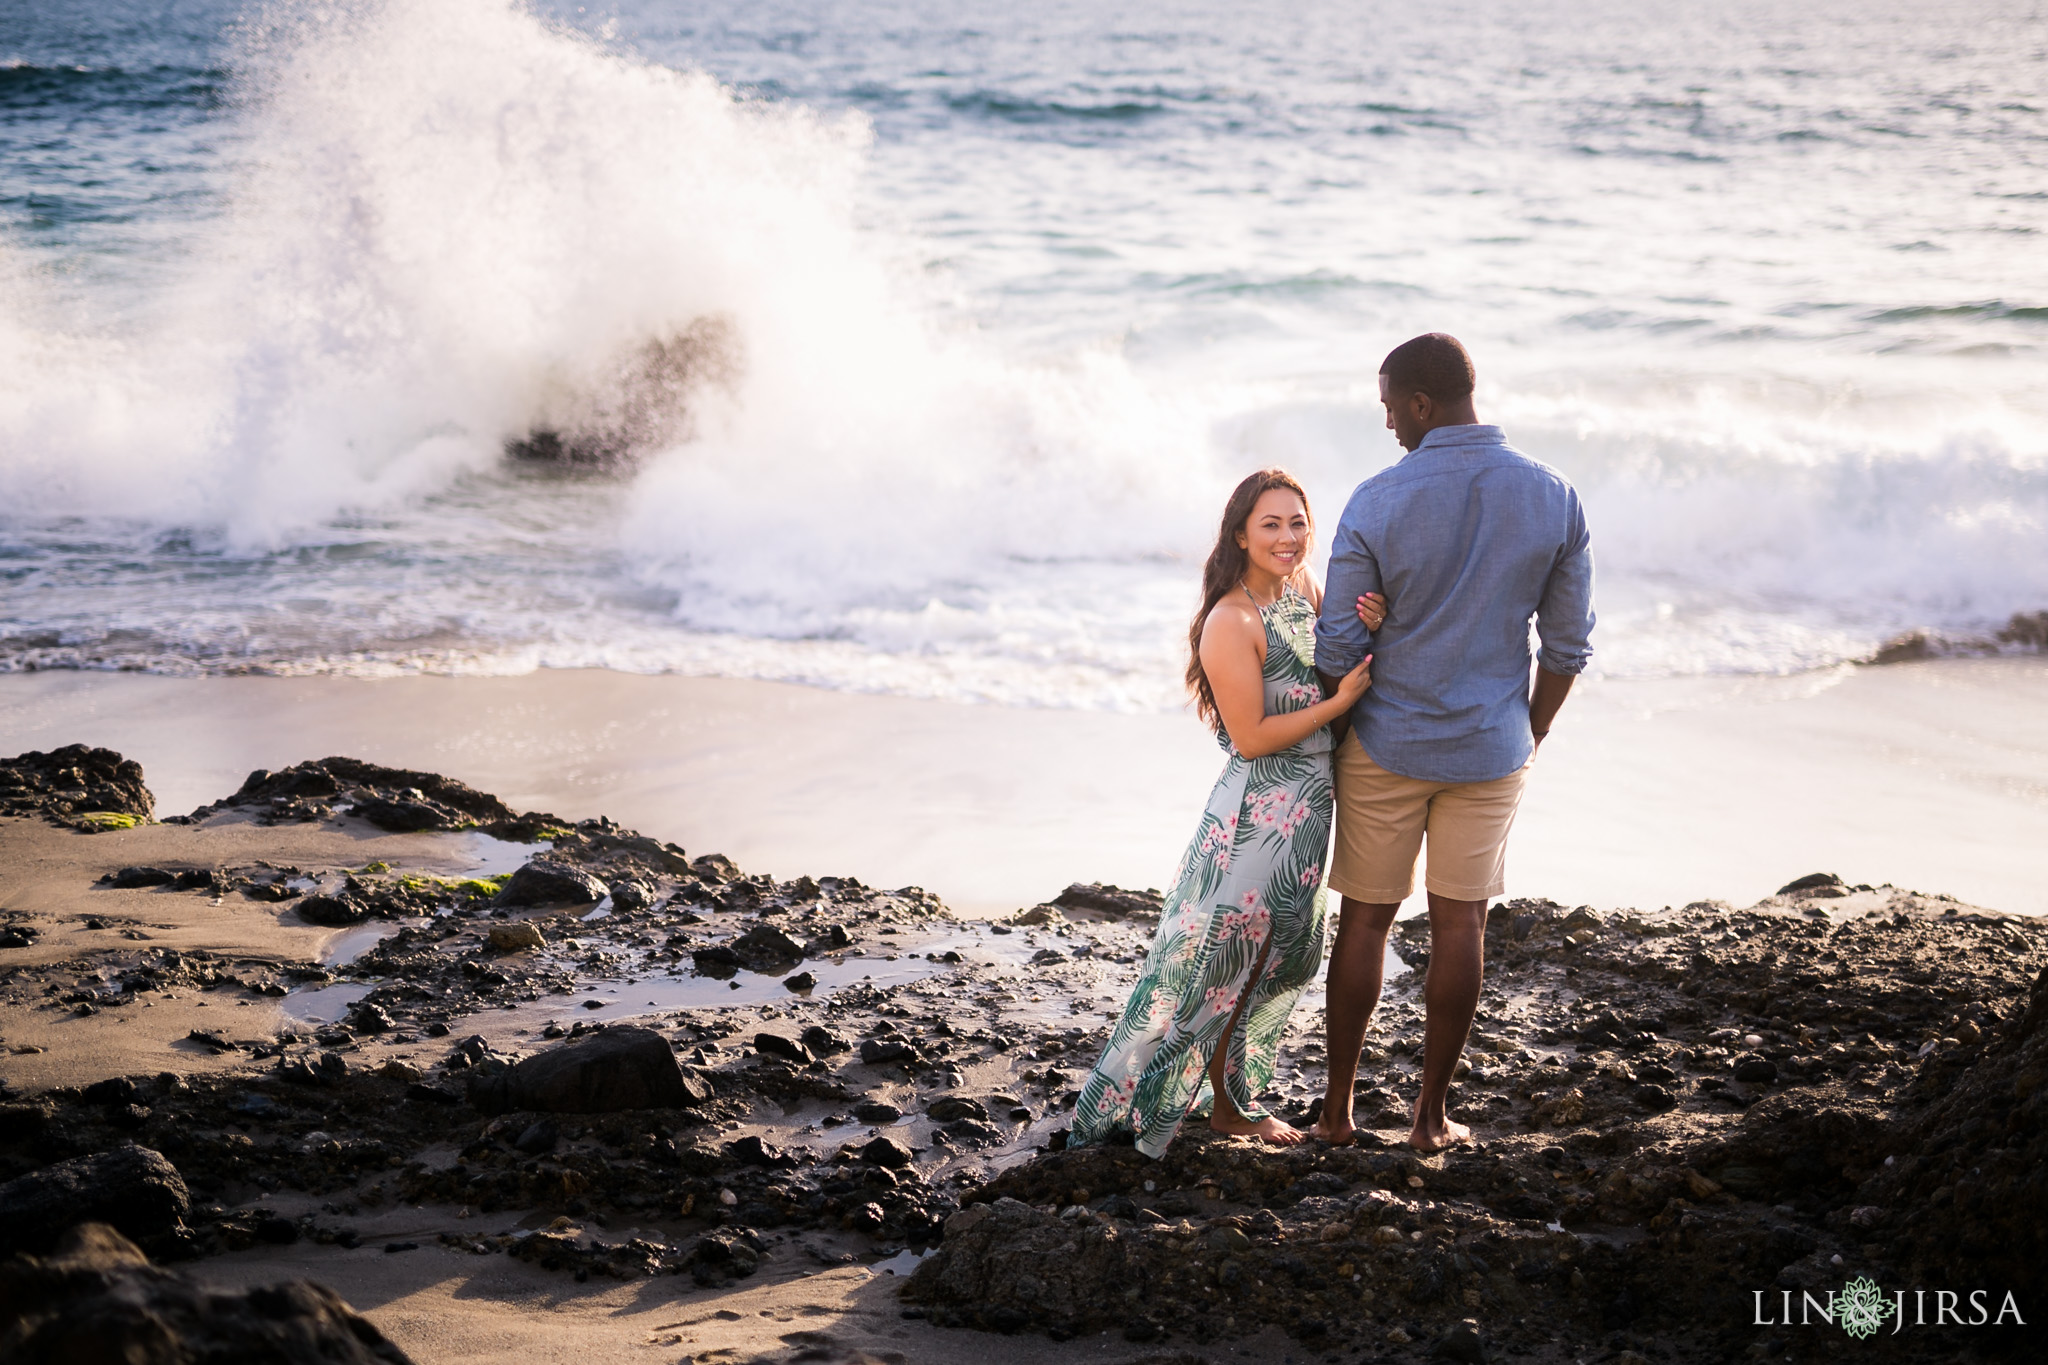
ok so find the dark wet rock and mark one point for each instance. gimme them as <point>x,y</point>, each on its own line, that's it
<point>1755,1070</point>
<point>1822,884</point>
<point>946,1108</point>
<point>882,1051</point>
<point>96,1300</point>
<point>832,939</point>
<point>802,981</point>
<point>886,1152</point>
<point>69,784</point>
<point>1654,1097</point>
<point>328,1069</point>
<point>134,1188</point>
<point>752,1151</point>
<point>823,1042</point>
<point>17,936</point>
<point>469,1052</point>
<point>1110,900</point>
<point>716,961</point>
<point>365,1017</point>
<point>538,1137</point>
<point>766,948</point>
<point>876,1112</point>
<point>409,800</point>
<point>551,881</point>
<point>132,878</point>
<point>408,813</point>
<point>775,1045</point>
<point>631,894</point>
<point>114,1090</point>
<point>620,1068</point>
<point>332,911</point>
<point>715,867</point>
<point>421,1093</point>
<point>1462,1343</point>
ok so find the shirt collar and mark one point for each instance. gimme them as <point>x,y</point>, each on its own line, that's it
<point>1475,434</point>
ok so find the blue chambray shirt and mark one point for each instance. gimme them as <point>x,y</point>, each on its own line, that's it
<point>1466,538</point>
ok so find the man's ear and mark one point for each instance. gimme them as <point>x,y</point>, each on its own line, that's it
<point>1422,406</point>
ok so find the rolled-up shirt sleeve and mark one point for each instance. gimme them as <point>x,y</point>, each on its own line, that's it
<point>1341,638</point>
<point>1564,616</point>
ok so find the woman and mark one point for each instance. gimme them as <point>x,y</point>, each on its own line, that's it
<point>1242,931</point>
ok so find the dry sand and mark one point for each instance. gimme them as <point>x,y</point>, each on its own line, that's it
<point>1650,793</point>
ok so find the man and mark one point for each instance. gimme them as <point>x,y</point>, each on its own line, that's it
<point>1465,539</point>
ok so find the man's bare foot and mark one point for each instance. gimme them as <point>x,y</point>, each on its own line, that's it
<point>1436,1137</point>
<point>1266,1129</point>
<point>1336,1134</point>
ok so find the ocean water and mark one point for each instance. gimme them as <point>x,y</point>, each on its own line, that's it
<point>912,346</point>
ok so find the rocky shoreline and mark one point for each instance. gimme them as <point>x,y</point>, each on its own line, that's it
<point>1681,1114</point>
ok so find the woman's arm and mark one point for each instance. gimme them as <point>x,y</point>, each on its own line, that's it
<point>1232,640</point>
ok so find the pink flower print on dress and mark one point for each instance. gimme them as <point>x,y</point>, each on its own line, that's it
<point>1221,999</point>
<point>1250,899</point>
<point>1262,923</point>
<point>1117,1096</point>
<point>1312,875</point>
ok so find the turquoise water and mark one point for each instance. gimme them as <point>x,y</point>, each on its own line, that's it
<point>979,311</point>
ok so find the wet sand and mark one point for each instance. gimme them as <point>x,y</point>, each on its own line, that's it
<point>1650,793</point>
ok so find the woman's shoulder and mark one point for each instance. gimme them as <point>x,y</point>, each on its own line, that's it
<point>1232,617</point>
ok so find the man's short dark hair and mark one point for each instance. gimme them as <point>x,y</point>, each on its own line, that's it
<point>1434,363</point>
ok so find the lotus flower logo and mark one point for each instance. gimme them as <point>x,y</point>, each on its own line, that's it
<point>1861,1307</point>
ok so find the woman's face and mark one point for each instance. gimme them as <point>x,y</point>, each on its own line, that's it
<point>1275,536</point>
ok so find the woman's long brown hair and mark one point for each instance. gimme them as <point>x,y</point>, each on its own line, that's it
<point>1226,569</point>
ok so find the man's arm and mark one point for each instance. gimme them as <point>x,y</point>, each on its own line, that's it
<point>1545,698</point>
<point>1342,640</point>
<point>1564,626</point>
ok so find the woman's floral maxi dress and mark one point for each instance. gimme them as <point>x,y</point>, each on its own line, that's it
<point>1250,883</point>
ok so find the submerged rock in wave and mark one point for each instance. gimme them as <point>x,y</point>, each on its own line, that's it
<point>643,406</point>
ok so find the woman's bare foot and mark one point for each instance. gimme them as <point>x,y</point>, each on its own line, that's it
<point>1266,1129</point>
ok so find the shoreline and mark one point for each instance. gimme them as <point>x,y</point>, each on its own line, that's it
<point>1649,793</point>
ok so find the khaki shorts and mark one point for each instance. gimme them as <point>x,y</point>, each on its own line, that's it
<point>1381,820</point>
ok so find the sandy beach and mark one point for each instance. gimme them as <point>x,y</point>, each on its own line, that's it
<point>1650,794</point>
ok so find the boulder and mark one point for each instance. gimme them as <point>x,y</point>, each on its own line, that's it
<point>619,1068</point>
<point>131,1187</point>
<point>374,784</point>
<point>550,881</point>
<point>98,1299</point>
<point>75,781</point>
